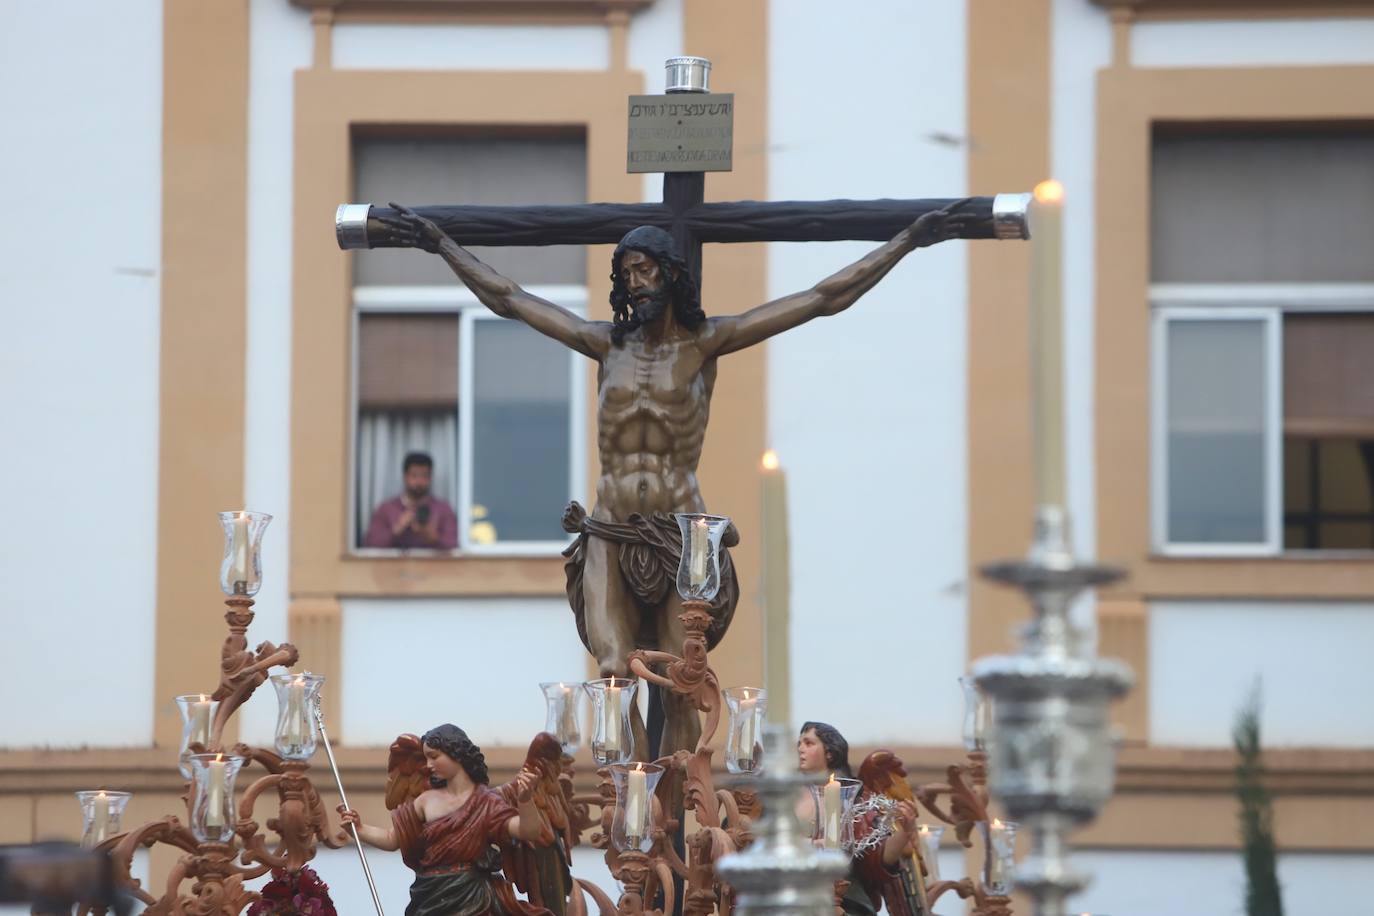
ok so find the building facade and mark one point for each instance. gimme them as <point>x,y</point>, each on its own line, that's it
<point>184,336</point>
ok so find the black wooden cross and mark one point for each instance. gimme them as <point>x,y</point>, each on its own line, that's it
<point>689,218</point>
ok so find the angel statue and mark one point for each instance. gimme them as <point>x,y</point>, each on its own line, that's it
<point>457,833</point>
<point>900,883</point>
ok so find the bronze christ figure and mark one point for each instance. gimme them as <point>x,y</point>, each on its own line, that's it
<point>656,373</point>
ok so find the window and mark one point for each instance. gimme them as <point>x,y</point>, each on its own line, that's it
<point>497,406</point>
<point>1263,321</point>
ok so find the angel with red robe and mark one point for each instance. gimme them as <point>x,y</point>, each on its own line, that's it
<point>456,833</point>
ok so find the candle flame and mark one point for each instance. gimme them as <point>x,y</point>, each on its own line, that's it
<point>639,767</point>
<point>832,780</point>
<point>770,460</point>
<point>219,758</point>
<point>924,829</point>
<point>203,698</point>
<point>997,822</point>
<point>1049,191</point>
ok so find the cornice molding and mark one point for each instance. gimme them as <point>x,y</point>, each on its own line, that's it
<point>1238,9</point>
<point>457,9</point>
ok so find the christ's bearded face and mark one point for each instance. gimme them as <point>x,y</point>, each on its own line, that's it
<point>650,293</point>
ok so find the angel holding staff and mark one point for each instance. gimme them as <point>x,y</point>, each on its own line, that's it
<point>456,834</point>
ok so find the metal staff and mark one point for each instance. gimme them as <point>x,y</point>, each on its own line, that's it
<point>343,797</point>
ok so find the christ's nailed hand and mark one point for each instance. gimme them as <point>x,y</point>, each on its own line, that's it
<point>412,230</point>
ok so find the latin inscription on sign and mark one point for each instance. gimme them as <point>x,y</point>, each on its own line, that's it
<point>681,132</point>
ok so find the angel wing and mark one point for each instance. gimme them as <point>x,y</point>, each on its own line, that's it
<point>883,773</point>
<point>540,868</point>
<point>407,773</point>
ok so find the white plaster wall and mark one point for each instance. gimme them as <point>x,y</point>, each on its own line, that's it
<point>281,42</point>
<point>655,36</point>
<point>867,409</point>
<point>79,328</point>
<point>1312,658</point>
<point>376,46</point>
<point>1263,43</point>
<point>1140,883</point>
<point>412,664</point>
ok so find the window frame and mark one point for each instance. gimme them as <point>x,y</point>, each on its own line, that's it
<point>460,301</point>
<point>1267,302</point>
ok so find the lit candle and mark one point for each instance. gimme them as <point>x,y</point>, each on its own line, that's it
<point>567,722</point>
<point>701,540</point>
<point>238,550</point>
<point>747,709</point>
<point>930,851</point>
<point>776,592</point>
<point>100,818</point>
<point>999,856</point>
<point>1047,341</point>
<point>200,722</point>
<point>214,795</point>
<point>636,803</point>
<point>295,713</point>
<point>831,808</point>
<point>610,718</point>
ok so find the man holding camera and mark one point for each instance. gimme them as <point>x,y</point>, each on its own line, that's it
<point>415,518</point>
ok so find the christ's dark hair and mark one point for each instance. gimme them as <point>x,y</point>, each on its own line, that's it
<point>414,458</point>
<point>836,748</point>
<point>453,741</point>
<point>660,246</point>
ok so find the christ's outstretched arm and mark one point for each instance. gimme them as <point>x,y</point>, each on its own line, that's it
<point>835,293</point>
<point>499,293</point>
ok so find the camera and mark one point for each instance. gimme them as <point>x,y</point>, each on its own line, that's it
<point>54,876</point>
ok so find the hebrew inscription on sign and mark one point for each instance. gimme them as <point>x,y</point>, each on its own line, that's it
<point>681,132</point>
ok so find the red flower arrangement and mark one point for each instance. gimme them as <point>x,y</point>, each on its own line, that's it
<point>301,894</point>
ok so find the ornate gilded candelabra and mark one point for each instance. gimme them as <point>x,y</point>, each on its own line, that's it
<point>223,844</point>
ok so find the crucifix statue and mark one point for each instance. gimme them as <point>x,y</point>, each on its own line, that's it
<point>657,360</point>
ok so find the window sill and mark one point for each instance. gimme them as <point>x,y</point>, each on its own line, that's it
<point>1289,556</point>
<point>436,574</point>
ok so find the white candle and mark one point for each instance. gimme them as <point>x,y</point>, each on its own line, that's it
<point>296,727</point>
<point>776,661</point>
<point>1047,341</point>
<point>999,854</point>
<point>214,795</point>
<point>610,719</point>
<point>700,543</point>
<point>930,850</point>
<point>747,709</point>
<point>100,818</point>
<point>567,723</point>
<point>238,550</point>
<point>831,808</point>
<point>636,802</point>
<point>200,722</point>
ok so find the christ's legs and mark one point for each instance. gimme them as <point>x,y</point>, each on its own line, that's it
<point>612,621</point>
<point>681,724</point>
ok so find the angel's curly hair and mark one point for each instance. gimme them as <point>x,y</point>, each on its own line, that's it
<point>836,748</point>
<point>659,245</point>
<point>454,742</point>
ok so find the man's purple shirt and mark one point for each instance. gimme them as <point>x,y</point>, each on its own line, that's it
<point>388,513</point>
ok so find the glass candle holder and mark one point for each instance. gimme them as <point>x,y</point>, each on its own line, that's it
<point>241,571</point>
<point>101,812</point>
<point>632,823</point>
<point>612,700</point>
<point>197,719</point>
<point>212,796</point>
<point>297,733</point>
<point>698,574</point>
<point>930,848</point>
<point>563,718</point>
<point>977,715</point>
<point>744,740</point>
<point>833,827</point>
<point>999,859</point>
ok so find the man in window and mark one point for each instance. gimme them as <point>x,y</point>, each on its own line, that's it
<point>415,518</point>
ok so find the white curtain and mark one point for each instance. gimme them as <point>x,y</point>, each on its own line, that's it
<point>384,439</point>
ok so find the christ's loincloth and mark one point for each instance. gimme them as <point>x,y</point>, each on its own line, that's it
<point>650,551</point>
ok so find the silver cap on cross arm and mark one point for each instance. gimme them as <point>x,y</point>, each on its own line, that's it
<point>350,226</point>
<point>1009,216</point>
